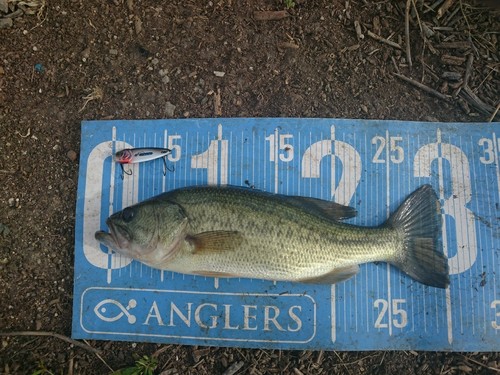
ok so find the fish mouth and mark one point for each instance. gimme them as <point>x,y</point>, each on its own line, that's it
<point>117,238</point>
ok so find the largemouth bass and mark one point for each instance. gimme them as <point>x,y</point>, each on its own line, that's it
<point>240,232</point>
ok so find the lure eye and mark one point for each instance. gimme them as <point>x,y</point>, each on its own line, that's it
<point>128,214</point>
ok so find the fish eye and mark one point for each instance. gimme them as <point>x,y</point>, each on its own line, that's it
<point>128,214</point>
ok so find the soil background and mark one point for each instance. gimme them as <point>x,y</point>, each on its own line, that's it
<point>64,61</point>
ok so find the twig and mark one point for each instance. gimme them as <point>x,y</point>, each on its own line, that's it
<point>102,360</point>
<point>359,33</point>
<point>161,350</point>
<point>468,72</point>
<point>395,64</point>
<point>234,368</point>
<point>494,113</point>
<point>51,334</point>
<point>481,364</point>
<point>423,87</point>
<point>217,103</point>
<point>444,8</point>
<point>476,102</point>
<point>383,40</point>
<point>407,33</point>
<point>342,362</point>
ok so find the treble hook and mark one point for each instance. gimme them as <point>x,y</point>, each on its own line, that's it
<point>165,167</point>
<point>124,172</point>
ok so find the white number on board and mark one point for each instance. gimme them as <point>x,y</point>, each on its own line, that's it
<point>488,156</point>
<point>217,167</point>
<point>399,315</point>
<point>496,305</point>
<point>397,152</point>
<point>175,155</point>
<point>287,148</point>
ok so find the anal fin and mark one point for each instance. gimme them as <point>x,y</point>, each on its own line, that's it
<point>335,276</point>
<point>213,274</point>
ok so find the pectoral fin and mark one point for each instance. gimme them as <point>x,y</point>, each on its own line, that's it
<point>215,241</point>
<point>333,277</point>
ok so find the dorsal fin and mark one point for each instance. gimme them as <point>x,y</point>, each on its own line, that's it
<point>327,209</point>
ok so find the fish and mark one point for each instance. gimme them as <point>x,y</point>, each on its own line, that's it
<point>139,155</point>
<point>234,231</point>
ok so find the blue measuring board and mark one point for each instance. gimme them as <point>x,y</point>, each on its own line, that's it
<point>370,165</point>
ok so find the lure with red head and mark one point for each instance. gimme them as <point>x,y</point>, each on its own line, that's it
<point>139,155</point>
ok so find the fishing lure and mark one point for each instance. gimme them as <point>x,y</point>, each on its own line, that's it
<point>139,155</point>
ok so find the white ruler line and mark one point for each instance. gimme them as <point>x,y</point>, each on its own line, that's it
<point>276,158</point>
<point>388,213</point>
<point>299,174</point>
<point>481,232</point>
<point>466,175</point>
<point>186,158</point>
<point>369,193</point>
<point>229,160</point>
<point>460,229</point>
<point>444,237</point>
<point>332,192</point>
<point>333,314</point>
<point>111,198</point>
<point>242,149</point>
<point>496,146</point>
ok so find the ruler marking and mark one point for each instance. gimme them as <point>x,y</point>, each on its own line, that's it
<point>466,176</point>
<point>333,320</point>
<point>388,213</point>
<point>445,238</point>
<point>481,231</point>
<point>496,146</point>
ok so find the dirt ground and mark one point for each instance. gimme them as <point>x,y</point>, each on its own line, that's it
<point>64,61</point>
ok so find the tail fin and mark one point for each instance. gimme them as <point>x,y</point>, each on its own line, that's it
<point>419,219</point>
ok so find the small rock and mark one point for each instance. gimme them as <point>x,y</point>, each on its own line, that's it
<point>219,74</point>
<point>6,23</point>
<point>3,6</point>
<point>165,79</point>
<point>169,109</point>
<point>155,61</point>
<point>4,230</point>
<point>2,71</point>
<point>71,155</point>
<point>113,52</point>
<point>137,25</point>
<point>12,202</point>
<point>86,53</point>
<point>364,108</point>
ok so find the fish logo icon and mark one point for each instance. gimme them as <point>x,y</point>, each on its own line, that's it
<point>120,310</point>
